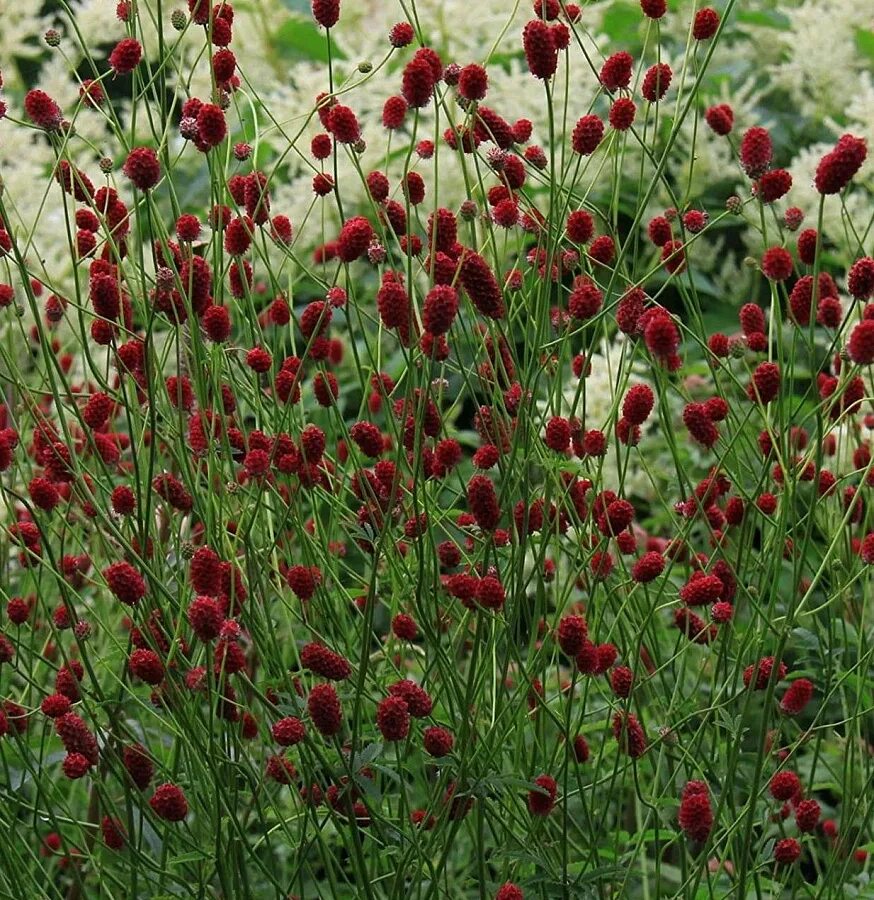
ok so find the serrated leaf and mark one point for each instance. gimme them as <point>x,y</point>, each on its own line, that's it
<point>389,773</point>
<point>366,756</point>
<point>369,787</point>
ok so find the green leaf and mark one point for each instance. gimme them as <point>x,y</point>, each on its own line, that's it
<point>298,39</point>
<point>865,42</point>
<point>620,20</point>
<point>766,18</point>
<point>366,756</point>
<point>389,773</point>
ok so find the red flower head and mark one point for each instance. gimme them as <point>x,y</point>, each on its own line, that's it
<point>807,814</point>
<point>437,741</point>
<point>490,593</point>
<point>720,118</point>
<point>654,9</point>
<point>142,168</point>
<point>147,666</point>
<point>629,733</point>
<point>481,285</point>
<point>861,343</point>
<point>542,801</point>
<point>439,309</point>
<point>42,110</point>
<point>206,617</point>
<point>572,633</point>
<point>324,709</point>
<point>836,168</point>
<point>417,82</point>
<point>580,227</point>
<point>288,731</point>
<point>343,124</point>
<point>320,659</point>
<point>113,833</point>
<point>616,71</point>
<point>638,404</point>
<point>860,278</point>
<point>797,696</point>
<point>622,113</point>
<point>622,681</point>
<point>541,53</point>
<point>473,82</point>
<point>125,56</point>
<point>303,581</point>
<point>169,803</point>
<point>125,582</point>
<point>138,765</point>
<point>509,891</point>
<point>762,671</point>
<point>76,765</point>
<point>401,35</point>
<point>777,264</point>
<point>393,718</point>
<point>558,434</point>
<point>706,24</point>
<point>765,385</point>
<point>786,851</point>
<point>483,502</point>
<point>756,151</point>
<point>368,438</point>
<point>326,12</point>
<point>587,135</point>
<point>656,82</point>
<point>355,237</point>
<point>695,815</point>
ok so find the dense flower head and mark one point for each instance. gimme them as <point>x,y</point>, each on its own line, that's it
<point>587,134</point>
<point>756,150</point>
<point>401,35</point>
<point>417,84</point>
<point>629,734</point>
<point>705,24</point>
<point>169,802</point>
<point>762,671</point>
<point>125,56</point>
<point>541,52</point>
<point>617,70</point>
<point>654,9</point>
<point>838,166</point>
<point>787,851</point>
<point>797,696</point>
<point>656,82</point>
<point>696,815</point>
<point>324,708</point>
<point>393,718</point>
<point>125,582</point>
<point>326,12</point>
<point>323,661</point>
<point>509,891</point>
<point>861,343</point>
<point>142,168</point>
<point>541,800</point>
<point>42,110</point>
